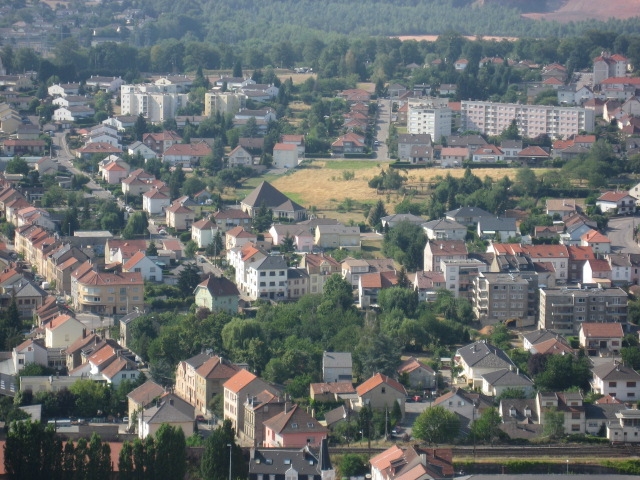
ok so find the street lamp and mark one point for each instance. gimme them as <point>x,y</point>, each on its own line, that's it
<point>567,466</point>
<point>231,450</point>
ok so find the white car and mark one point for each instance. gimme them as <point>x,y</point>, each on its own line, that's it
<point>162,232</point>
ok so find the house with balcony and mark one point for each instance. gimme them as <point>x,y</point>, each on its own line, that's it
<point>239,157</point>
<point>626,428</point>
<point>620,202</point>
<point>319,267</point>
<point>437,250</point>
<point>370,285</point>
<point>267,278</point>
<point>601,338</point>
<point>230,218</point>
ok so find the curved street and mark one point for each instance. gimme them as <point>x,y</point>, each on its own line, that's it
<point>620,232</point>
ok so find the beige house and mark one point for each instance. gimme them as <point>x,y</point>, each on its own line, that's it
<point>201,377</point>
<point>380,392</point>
<point>203,232</point>
<point>62,331</point>
<point>601,337</point>
<point>106,293</point>
<point>237,389</point>
<point>238,237</point>
<point>285,155</point>
<point>179,217</point>
<point>239,157</point>
<point>338,236</point>
<point>169,409</point>
<point>142,396</point>
<point>419,374</point>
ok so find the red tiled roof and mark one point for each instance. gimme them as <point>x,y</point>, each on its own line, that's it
<point>379,379</point>
<point>612,196</point>
<point>602,330</point>
<point>239,381</point>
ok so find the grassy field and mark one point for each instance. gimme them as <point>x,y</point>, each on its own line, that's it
<point>322,184</point>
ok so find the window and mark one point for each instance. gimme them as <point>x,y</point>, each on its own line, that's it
<point>575,416</point>
<point>631,384</point>
<point>384,390</point>
<point>613,384</point>
<point>575,428</point>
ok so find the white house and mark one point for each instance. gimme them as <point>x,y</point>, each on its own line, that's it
<point>72,114</point>
<point>480,358</point>
<point>29,351</point>
<point>143,264</point>
<point>267,279</point>
<point>140,148</point>
<point>620,201</point>
<point>616,380</point>
<point>239,157</point>
<point>154,202</point>
<point>285,155</point>
<point>203,232</point>
<point>337,367</point>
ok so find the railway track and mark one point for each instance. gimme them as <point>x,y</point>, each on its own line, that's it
<point>560,451</point>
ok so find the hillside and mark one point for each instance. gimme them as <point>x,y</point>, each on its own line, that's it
<point>579,10</point>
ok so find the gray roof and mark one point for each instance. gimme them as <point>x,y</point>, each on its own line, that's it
<point>415,138</point>
<point>603,412</point>
<point>270,196</point>
<point>340,229</point>
<point>198,360</point>
<point>443,224</point>
<point>615,371</point>
<point>539,336</point>
<point>511,144</point>
<point>506,377</point>
<point>337,360</point>
<point>272,262</point>
<point>468,212</point>
<point>130,317</point>
<point>481,354</point>
<point>494,224</point>
<point>403,217</point>
<point>170,409</point>
<point>520,405</point>
<point>276,461</point>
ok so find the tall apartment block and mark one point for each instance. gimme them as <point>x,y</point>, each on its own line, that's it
<point>558,122</point>
<point>563,310</point>
<point>433,117</point>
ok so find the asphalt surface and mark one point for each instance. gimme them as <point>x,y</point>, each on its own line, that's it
<point>620,232</point>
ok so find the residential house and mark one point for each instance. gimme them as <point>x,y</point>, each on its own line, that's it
<point>498,228</point>
<point>77,349</point>
<point>186,154</point>
<point>293,428</point>
<point>237,389</point>
<point>427,285</point>
<point>62,331</point>
<point>145,266</point>
<point>616,380</point>
<point>570,404</point>
<point>480,358</point>
<point>300,235</point>
<point>466,405</point>
<point>154,202</point>
<point>444,229</point>
<point>391,221</point>
<point>597,271</point>
<point>350,143</point>
<point>331,392</point>
<point>29,351</point>
<point>598,242</point>
<point>121,250</point>
<point>467,216</point>
<point>320,268</point>
<point>126,325</point>
<point>488,154</point>
<point>114,172</point>
<point>380,392</point>
<point>200,378</point>
<point>139,148</point>
<point>338,236</point>
<point>267,278</point>
<point>297,283</point>
<point>217,294</point>
<point>106,293</point>
<point>97,148</point>
<point>620,202</point>
<point>291,464</point>
<point>601,338</point>
<point>412,463</point>
<point>370,284</point>
<point>237,237</point>
<point>141,396</point>
<point>257,410</point>
<point>267,195</point>
<point>495,383</point>
<point>297,140</point>
<point>179,217</point>
<point>621,267</point>
<point>625,429</point>
<point>419,375</point>
<point>17,147</point>
<point>437,250</point>
<point>407,141</point>
<point>73,113</point>
<point>239,157</point>
<point>337,367</point>
<point>203,232</point>
<point>159,142</point>
<point>562,207</point>
<point>232,217</point>
<point>453,156</point>
<point>285,155</point>
<point>138,182</point>
<point>169,409</point>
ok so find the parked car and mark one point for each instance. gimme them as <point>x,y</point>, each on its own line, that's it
<point>162,232</point>
<point>200,418</point>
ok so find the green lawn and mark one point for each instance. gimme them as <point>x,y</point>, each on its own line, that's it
<point>296,197</point>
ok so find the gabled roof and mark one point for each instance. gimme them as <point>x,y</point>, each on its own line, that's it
<point>506,377</point>
<point>447,247</point>
<point>482,354</point>
<point>613,196</point>
<point>169,409</point>
<point>378,279</point>
<point>379,379</point>
<point>615,371</point>
<point>412,364</point>
<point>593,236</point>
<point>294,421</point>
<point>219,287</point>
<point>267,194</point>
<point>602,330</point>
<point>239,381</point>
<point>533,151</point>
<point>217,368</point>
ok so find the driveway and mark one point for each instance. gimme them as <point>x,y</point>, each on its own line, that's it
<point>382,129</point>
<point>620,232</point>
<point>65,159</point>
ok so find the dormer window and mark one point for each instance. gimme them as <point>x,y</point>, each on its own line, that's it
<point>294,425</point>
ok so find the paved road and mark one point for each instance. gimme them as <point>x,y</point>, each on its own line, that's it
<point>620,232</point>
<point>65,159</point>
<point>382,129</point>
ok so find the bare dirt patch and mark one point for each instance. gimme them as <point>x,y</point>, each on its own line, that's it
<point>578,10</point>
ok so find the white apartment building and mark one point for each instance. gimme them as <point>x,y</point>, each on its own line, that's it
<point>156,103</point>
<point>223,102</point>
<point>558,122</point>
<point>431,118</point>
